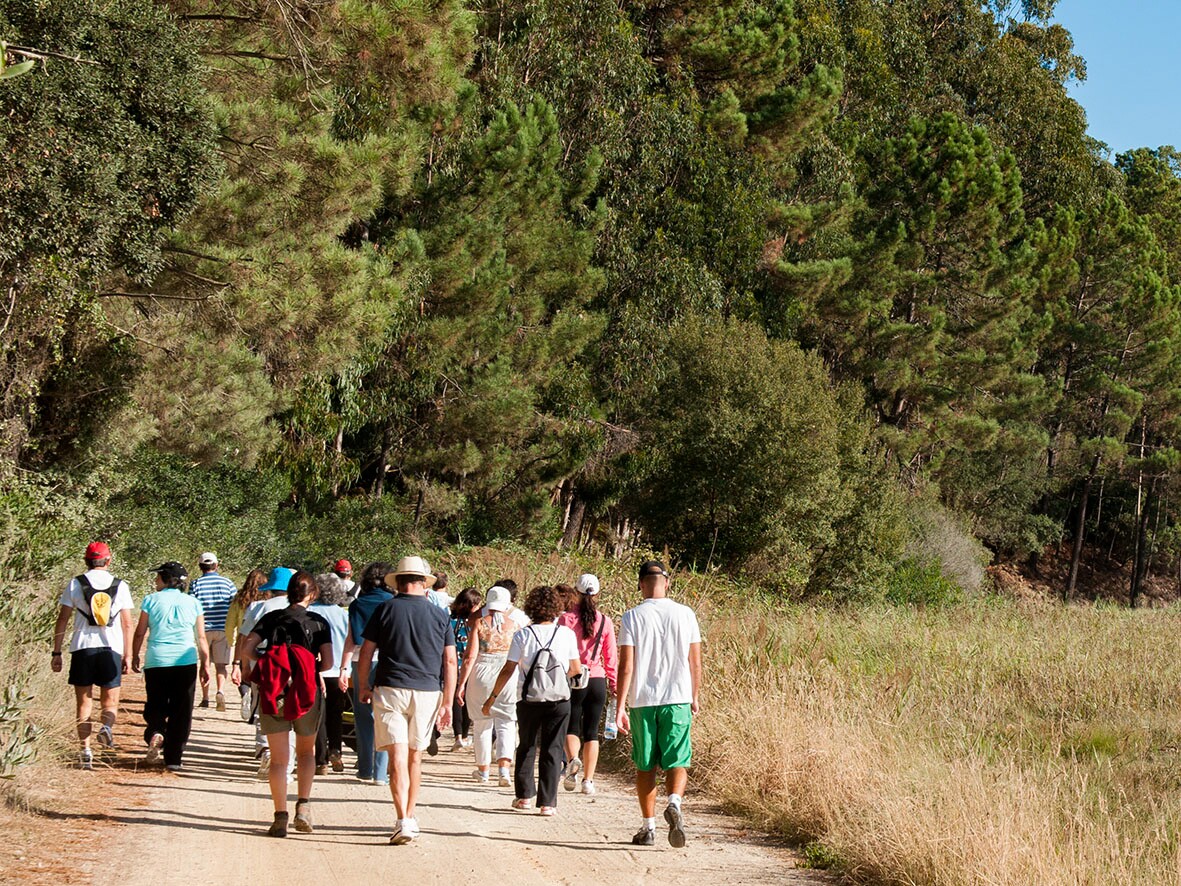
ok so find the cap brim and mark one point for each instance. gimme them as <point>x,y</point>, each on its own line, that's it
<point>497,607</point>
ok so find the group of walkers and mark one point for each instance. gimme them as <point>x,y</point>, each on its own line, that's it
<point>525,687</point>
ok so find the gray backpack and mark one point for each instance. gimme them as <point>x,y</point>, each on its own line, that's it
<point>546,678</point>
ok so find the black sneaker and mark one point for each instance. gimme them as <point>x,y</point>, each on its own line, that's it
<point>644,837</point>
<point>278,827</point>
<point>433,747</point>
<point>676,826</point>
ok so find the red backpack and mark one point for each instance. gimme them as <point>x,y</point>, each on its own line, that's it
<point>287,676</point>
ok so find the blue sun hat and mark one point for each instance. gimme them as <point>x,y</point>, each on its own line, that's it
<point>278,580</point>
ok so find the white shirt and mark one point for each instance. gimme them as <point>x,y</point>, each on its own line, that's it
<point>257,610</point>
<point>86,635</point>
<point>527,642</point>
<point>660,632</point>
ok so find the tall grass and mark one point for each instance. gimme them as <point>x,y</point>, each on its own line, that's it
<point>976,744</point>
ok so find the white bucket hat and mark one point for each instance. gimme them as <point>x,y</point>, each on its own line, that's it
<point>415,566</point>
<point>208,559</point>
<point>588,584</point>
<point>498,599</point>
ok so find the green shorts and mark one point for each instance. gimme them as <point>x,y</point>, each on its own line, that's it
<point>660,737</point>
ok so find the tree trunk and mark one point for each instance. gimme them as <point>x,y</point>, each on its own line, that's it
<point>1140,563</point>
<point>383,463</point>
<point>1076,548</point>
<point>572,534</point>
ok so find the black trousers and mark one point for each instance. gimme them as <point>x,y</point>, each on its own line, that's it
<point>169,708</point>
<point>542,727</point>
<point>329,738</point>
<point>461,723</point>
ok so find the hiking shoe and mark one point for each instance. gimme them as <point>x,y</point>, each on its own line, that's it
<point>676,826</point>
<point>522,802</point>
<point>644,837</point>
<point>321,770</point>
<point>85,759</point>
<point>570,782</point>
<point>105,736</point>
<point>174,767</point>
<point>504,781</point>
<point>264,764</point>
<point>588,787</point>
<point>278,827</point>
<point>433,747</point>
<point>336,762</point>
<point>480,777</point>
<point>303,817</point>
<point>204,704</point>
<point>154,744</point>
<point>221,701</point>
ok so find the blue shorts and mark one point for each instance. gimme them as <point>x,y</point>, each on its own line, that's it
<point>96,667</point>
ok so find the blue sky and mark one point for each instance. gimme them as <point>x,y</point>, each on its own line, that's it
<point>1132,94</point>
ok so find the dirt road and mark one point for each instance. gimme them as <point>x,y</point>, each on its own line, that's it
<point>207,825</point>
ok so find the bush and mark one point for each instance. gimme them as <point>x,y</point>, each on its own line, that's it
<point>751,460</point>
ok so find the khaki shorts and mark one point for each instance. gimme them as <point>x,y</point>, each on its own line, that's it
<point>404,716</point>
<point>219,649</point>
<point>308,724</point>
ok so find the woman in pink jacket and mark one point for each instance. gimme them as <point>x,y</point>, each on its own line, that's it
<point>599,656</point>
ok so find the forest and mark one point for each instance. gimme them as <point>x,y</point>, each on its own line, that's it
<point>831,294</point>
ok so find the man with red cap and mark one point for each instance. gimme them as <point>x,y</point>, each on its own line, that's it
<point>344,571</point>
<point>101,607</point>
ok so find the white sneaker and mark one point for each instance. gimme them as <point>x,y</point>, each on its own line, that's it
<point>458,746</point>
<point>404,832</point>
<point>570,782</point>
<point>85,759</point>
<point>264,765</point>
<point>154,745</point>
<point>588,787</point>
<point>504,781</point>
<point>480,777</point>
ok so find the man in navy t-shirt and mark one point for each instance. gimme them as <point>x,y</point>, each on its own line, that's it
<point>414,685</point>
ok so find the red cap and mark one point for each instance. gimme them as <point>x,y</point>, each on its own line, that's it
<point>342,566</point>
<point>97,550</point>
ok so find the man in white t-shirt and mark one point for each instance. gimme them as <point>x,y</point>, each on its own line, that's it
<point>660,681</point>
<point>101,607</point>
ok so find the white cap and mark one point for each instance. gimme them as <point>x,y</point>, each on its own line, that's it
<point>208,559</point>
<point>498,599</point>
<point>588,584</point>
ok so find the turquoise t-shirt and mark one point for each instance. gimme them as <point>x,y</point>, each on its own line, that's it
<point>172,619</point>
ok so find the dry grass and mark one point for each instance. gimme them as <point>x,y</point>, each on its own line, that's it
<point>982,744</point>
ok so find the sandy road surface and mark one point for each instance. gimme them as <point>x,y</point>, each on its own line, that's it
<point>207,824</point>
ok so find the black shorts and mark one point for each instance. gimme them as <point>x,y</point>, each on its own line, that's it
<point>586,709</point>
<point>96,667</point>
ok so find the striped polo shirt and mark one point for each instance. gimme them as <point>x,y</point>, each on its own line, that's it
<point>215,593</point>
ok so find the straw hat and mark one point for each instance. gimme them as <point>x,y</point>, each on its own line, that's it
<point>415,566</point>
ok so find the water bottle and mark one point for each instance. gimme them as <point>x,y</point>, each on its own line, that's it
<point>609,730</point>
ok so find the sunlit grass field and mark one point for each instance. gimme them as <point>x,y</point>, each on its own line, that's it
<point>983,743</point>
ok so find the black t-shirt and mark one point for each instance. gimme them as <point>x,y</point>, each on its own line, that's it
<point>411,633</point>
<point>302,628</point>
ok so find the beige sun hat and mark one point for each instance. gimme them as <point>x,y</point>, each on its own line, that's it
<point>411,566</point>
<point>498,599</point>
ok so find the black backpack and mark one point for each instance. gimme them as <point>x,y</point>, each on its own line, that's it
<point>88,593</point>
